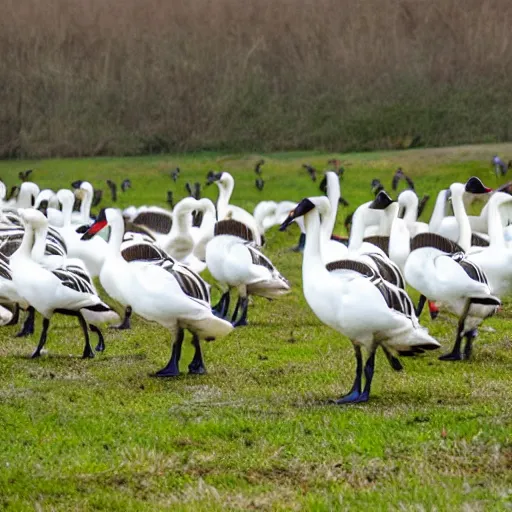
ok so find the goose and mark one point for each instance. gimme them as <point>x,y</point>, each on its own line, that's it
<point>85,192</point>
<point>64,290</point>
<point>28,192</point>
<point>356,302</point>
<point>160,290</point>
<point>234,262</point>
<point>495,260</point>
<point>226,184</point>
<point>436,267</point>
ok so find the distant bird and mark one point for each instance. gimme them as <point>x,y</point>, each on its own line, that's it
<point>376,186</point>
<point>500,168</point>
<point>259,183</point>
<point>13,193</point>
<point>311,171</point>
<point>422,203</point>
<point>257,169</point>
<point>337,168</point>
<point>197,190</point>
<point>24,175</point>
<point>348,222</point>
<point>175,174</point>
<point>113,189</point>
<point>170,199</point>
<point>97,197</point>
<point>188,188</point>
<point>400,175</point>
<point>125,185</point>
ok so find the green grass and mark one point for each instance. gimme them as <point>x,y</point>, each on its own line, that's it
<point>256,432</point>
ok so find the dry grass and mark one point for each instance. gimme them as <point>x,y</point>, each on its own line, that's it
<point>107,77</point>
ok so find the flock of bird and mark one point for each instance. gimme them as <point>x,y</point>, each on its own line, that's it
<point>149,259</point>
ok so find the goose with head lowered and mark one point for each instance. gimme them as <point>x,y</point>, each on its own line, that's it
<point>235,262</point>
<point>351,298</point>
<point>64,290</point>
<point>160,290</point>
<point>225,210</point>
<point>439,270</point>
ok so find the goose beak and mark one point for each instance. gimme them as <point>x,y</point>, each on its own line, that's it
<point>289,220</point>
<point>381,202</point>
<point>95,228</point>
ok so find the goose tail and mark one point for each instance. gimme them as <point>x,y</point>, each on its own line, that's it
<point>415,342</point>
<point>99,313</point>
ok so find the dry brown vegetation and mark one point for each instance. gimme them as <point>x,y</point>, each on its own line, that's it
<point>110,77</point>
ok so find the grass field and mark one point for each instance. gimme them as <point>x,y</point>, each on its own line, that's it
<point>256,432</point>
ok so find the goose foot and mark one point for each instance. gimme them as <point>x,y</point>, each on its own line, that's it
<point>125,324</point>
<point>168,371</point>
<point>172,369</point>
<point>28,325</point>
<point>451,356</point>
<point>240,323</point>
<point>196,368</point>
<point>88,353</point>
<point>349,398</point>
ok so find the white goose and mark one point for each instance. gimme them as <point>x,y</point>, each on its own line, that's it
<point>85,192</point>
<point>234,262</point>
<point>455,282</point>
<point>356,302</point>
<point>226,184</point>
<point>159,290</point>
<point>63,290</point>
<point>495,260</point>
<point>26,197</point>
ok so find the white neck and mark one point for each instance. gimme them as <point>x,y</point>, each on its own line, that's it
<point>333,193</point>
<point>358,226</point>
<point>116,235</point>
<point>312,249</point>
<point>411,210</point>
<point>85,206</point>
<point>225,191</point>
<point>399,237</point>
<point>67,209</point>
<point>461,216</point>
<point>39,247</point>
<point>494,220</point>
<point>439,212</point>
<point>27,243</point>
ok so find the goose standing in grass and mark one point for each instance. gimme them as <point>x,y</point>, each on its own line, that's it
<point>234,262</point>
<point>436,267</point>
<point>159,290</point>
<point>64,290</point>
<point>356,302</point>
<point>225,210</point>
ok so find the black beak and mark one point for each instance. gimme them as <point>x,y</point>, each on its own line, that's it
<point>301,209</point>
<point>43,207</point>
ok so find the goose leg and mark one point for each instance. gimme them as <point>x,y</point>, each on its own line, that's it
<point>42,339</point>
<point>368,375</point>
<point>220,309</point>
<point>100,347</point>
<point>421,305</point>
<point>393,361</point>
<point>455,354</point>
<point>355,392</point>
<point>28,324</point>
<point>88,352</point>
<point>197,366</point>
<point>125,324</point>
<point>302,243</point>
<point>235,312</point>
<point>468,348</point>
<point>173,369</point>
<point>15,315</point>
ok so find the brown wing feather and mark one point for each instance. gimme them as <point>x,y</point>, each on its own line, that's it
<point>234,228</point>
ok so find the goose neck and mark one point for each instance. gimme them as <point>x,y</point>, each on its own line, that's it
<point>85,206</point>
<point>439,212</point>
<point>461,216</point>
<point>494,220</point>
<point>226,187</point>
<point>39,247</point>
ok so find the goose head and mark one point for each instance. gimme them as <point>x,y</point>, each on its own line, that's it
<point>304,207</point>
<point>46,195</point>
<point>381,201</point>
<point>82,189</point>
<point>65,198</point>
<point>27,194</point>
<point>475,186</point>
<point>33,218</point>
<point>105,216</point>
